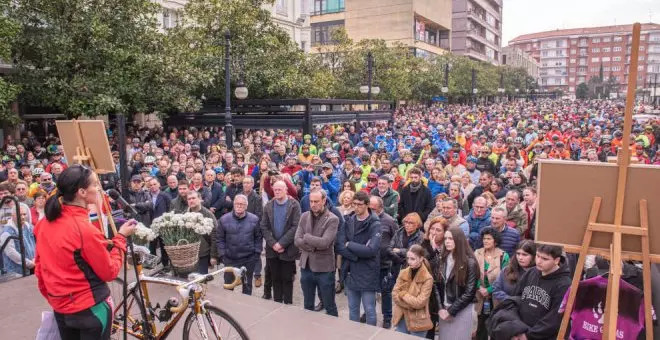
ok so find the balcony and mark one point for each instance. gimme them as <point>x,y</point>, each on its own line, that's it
<point>474,34</point>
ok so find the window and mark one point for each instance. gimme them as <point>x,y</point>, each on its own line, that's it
<point>572,61</point>
<point>281,7</point>
<point>581,79</point>
<point>617,49</point>
<point>616,58</point>
<point>595,60</point>
<point>642,38</point>
<point>328,6</point>
<point>595,40</point>
<point>573,42</point>
<point>582,69</point>
<point>593,69</point>
<point>595,50</point>
<point>616,68</point>
<point>641,57</point>
<point>322,32</point>
<point>571,88</point>
<point>617,39</point>
<point>170,18</point>
<point>571,79</point>
<point>641,48</point>
<point>606,39</point>
<point>606,69</point>
<point>606,49</point>
<point>640,68</point>
<point>605,59</point>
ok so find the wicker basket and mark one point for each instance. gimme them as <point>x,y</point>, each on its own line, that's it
<point>184,256</point>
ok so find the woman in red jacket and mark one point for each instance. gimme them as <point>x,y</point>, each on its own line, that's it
<point>73,262</point>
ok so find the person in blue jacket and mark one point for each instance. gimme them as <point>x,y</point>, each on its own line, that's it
<point>477,219</point>
<point>330,182</point>
<point>359,245</point>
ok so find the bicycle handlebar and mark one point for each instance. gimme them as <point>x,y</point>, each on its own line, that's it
<point>184,289</point>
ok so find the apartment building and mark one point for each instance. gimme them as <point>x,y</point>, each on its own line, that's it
<point>424,25</point>
<point>516,57</point>
<point>290,15</point>
<point>572,56</point>
<point>477,29</point>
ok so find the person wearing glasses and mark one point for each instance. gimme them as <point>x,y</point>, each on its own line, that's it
<point>478,219</point>
<point>484,163</point>
<point>74,260</point>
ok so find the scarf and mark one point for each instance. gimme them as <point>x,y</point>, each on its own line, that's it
<point>415,187</point>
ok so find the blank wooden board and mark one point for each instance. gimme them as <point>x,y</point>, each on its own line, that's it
<point>94,137</point>
<point>566,193</point>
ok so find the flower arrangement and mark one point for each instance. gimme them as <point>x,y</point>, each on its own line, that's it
<point>145,234</point>
<point>173,228</point>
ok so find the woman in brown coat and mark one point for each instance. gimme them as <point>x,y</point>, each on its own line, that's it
<point>411,295</point>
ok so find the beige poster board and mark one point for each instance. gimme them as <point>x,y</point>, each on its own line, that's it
<point>87,134</point>
<point>566,193</point>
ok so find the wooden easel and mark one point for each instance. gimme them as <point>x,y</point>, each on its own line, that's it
<point>617,229</point>
<point>83,156</point>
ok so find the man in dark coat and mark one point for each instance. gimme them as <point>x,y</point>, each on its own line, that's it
<point>255,206</point>
<point>359,245</point>
<point>217,202</point>
<point>161,204</point>
<point>239,240</point>
<point>278,226</point>
<point>415,197</point>
<point>388,227</point>
<point>484,185</point>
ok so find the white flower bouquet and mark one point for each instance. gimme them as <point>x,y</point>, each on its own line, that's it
<point>144,234</point>
<point>173,228</point>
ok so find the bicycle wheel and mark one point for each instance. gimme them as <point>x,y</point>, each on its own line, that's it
<point>216,323</point>
<point>133,314</point>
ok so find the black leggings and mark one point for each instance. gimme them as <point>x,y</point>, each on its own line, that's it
<point>94,323</point>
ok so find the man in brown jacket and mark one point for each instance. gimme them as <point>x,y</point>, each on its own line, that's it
<point>315,237</point>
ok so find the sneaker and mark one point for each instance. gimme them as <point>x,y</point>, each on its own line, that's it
<point>387,324</point>
<point>258,282</point>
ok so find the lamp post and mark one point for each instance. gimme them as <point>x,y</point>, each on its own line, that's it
<point>501,88</point>
<point>474,86</point>
<point>241,92</point>
<point>369,89</point>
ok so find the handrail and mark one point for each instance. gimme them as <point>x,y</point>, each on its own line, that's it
<point>20,237</point>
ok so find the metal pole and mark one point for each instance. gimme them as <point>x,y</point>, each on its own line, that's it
<point>447,75</point>
<point>370,61</point>
<point>229,129</point>
<point>502,87</point>
<point>474,85</point>
<point>123,164</point>
<point>655,85</point>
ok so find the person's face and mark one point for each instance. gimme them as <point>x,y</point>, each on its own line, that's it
<point>13,174</point>
<point>40,201</point>
<point>516,179</point>
<point>46,179</point>
<point>414,178</point>
<point>190,172</point>
<point>524,258</point>
<point>183,191</point>
<point>511,201</point>
<point>484,181</point>
<point>413,260</point>
<point>410,225</point>
<point>494,187</point>
<point>197,179</point>
<point>511,166</point>
<point>172,182</point>
<point>383,185</point>
<point>209,176</point>
<point>248,185</point>
<point>436,230</point>
<point>489,242</point>
<point>240,206</point>
<point>316,202</point>
<point>545,263</point>
<point>529,197</point>
<point>21,190</point>
<point>193,201</point>
<point>279,189</point>
<point>386,164</point>
<point>162,167</point>
<point>480,207</point>
<point>453,191</point>
<point>449,241</point>
<point>348,200</point>
<point>448,210</point>
<point>497,219</point>
<point>359,207</point>
<point>90,193</point>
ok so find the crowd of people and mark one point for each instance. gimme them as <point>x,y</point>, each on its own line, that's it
<point>432,213</point>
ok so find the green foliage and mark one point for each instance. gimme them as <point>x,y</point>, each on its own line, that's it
<point>582,91</point>
<point>9,30</point>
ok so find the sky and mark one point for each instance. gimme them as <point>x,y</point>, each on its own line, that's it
<point>531,16</point>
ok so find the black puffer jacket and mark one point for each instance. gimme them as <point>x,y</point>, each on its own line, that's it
<point>458,296</point>
<point>399,258</point>
<point>504,322</point>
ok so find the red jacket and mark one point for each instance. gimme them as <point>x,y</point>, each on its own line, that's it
<point>73,263</point>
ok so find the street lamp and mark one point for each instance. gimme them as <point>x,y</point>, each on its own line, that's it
<point>474,86</point>
<point>445,86</point>
<point>369,88</point>
<point>241,92</point>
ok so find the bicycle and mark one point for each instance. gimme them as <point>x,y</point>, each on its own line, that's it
<point>142,317</point>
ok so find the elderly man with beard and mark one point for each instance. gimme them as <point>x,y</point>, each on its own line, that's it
<point>315,236</point>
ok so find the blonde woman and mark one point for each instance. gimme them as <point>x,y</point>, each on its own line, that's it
<point>346,202</point>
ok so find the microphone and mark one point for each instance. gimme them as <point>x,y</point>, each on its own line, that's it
<point>115,195</point>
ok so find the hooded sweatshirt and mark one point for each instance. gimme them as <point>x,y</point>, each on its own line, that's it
<point>541,297</point>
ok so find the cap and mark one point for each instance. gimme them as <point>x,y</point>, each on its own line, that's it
<point>219,170</point>
<point>333,155</point>
<point>136,140</point>
<point>372,175</point>
<point>307,136</point>
<point>136,178</point>
<point>37,171</point>
<point>327,166</point>
<point>364,134</point>
<point>472,159</point>
<point>149,159</point>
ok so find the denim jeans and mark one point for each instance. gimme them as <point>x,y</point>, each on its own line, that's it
<point>387,281</point>
<point>257,267</point>
<point>325,282</point>
<point>401,328</point>
<point>368,301</point>
<point>246,286</point>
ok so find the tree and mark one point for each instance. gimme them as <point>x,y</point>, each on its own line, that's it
<point>582,91</point>
<point>9,29</point>
<point>101,56</point>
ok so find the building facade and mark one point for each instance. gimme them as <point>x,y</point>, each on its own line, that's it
<point>424,25</point>
<point>290,15</point>
<point>572,56</point>
<point>515,57</point>
<point>477,29</point>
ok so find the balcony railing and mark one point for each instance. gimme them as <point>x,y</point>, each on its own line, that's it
<point>328,11</point>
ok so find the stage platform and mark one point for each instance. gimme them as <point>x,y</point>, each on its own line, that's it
<point>22,304</point>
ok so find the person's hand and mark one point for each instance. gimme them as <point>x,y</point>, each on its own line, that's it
<point>483,291</point>
<point>277,247</point>
<point>395,250</point>
<point>212,210</point>
<point>228,199</point>
<point>346,245</point>
<point>444,315</point>
<point>214,262</point>
<point>29,264</point>
<point>127,229</point>
<point>433,244</point>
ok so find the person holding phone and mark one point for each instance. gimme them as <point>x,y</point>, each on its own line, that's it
<point>74,259</point>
